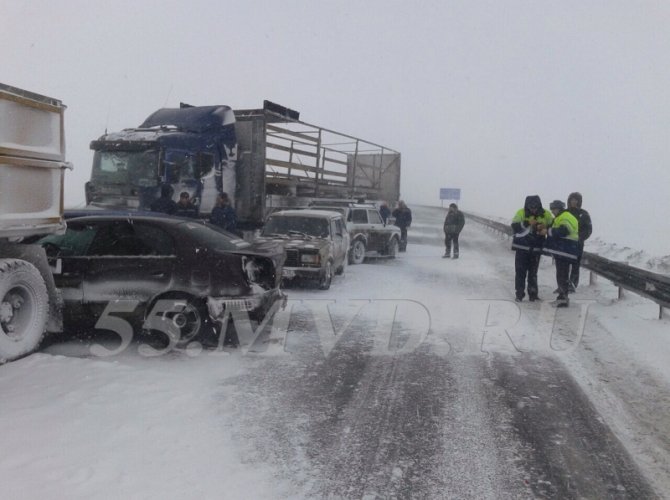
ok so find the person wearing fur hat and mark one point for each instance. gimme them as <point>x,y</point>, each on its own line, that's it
<point>527,242</point>
<point>562,244</point>
<point>585,230</point>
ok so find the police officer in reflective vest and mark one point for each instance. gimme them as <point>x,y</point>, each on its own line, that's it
<point>528,242</point>
<point>562,244</point>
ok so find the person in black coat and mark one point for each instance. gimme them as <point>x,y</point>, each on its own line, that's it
<point>453,225</point>
<point>585,230</point>
<point>185,207</point>
<point>165,204</point>
<point>384,211</point>
<point>403,219</point>
<point>223,214</point>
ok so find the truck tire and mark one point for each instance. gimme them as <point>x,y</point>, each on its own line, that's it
<point>24,308</point>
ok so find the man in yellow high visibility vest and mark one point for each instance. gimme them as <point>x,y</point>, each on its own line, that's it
<point>562,244</point>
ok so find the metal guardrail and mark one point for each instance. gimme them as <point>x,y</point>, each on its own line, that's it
<point>653,286</point>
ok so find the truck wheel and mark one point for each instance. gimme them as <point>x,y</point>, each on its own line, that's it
<point>24,308</point>
<point>326,277</point>
<point>393,248</point>
<point>357,252</point>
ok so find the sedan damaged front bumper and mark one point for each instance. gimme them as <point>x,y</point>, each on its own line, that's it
<point>256,306</point>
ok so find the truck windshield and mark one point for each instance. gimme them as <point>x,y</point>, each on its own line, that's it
<point>139,168</point>
<point>179,165</point>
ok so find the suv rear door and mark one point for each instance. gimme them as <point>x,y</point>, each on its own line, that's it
<point>377,231</point>
<point>368,222</point>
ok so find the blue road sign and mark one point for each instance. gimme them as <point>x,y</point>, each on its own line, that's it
<point>450,193</point>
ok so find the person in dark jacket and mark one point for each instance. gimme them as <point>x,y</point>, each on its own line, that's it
<point>585,230</point>
<point>403,219</point>
<point>384,211</point>
<point>185,207</point>
<point>453,225</point>
<point>223,214</point>
<point>562,244</point>
<point>165,204</point>
<point>527,242</point>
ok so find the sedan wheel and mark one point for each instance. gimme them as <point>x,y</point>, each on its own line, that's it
<point>393,248</point>
<point>189,320</point>
<point>326,277</point>
<point>181,318</point>
<point>340,270</point>
<point>357,252</point>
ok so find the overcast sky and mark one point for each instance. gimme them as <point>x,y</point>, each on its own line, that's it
<point>499,98</point>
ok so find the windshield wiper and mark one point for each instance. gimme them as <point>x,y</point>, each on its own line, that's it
<point>299,233</point>
<point>275,235</point>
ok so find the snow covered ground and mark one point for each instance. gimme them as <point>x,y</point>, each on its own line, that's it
<point>235,423</point>
<point>634,257</point>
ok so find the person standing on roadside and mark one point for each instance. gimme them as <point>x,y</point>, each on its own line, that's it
<point>384,211</point>
<point>528,242</point>
<point>562,244</point>
<point>403,219</point>
<point>223,214</point>
<point>453,225</point>
<point>585,230</point>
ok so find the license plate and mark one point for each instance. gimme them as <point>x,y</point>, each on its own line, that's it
<point>288,273</point>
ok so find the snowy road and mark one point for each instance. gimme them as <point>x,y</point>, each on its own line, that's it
<point>413,378</point>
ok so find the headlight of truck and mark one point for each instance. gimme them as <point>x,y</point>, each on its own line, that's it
<point>310,258</point>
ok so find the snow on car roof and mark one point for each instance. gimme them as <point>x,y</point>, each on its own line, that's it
<point>309,213</point>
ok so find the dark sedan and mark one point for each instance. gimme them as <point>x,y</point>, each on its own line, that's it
<point>176,276</point>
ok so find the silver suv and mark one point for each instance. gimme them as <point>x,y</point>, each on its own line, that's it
<point>369,236</point>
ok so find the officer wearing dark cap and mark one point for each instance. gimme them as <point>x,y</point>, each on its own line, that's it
<point>563,244</point>
<point>585,230</point>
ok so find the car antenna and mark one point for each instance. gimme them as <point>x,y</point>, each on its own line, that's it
<point>109,107</point>
<point>168,96</point>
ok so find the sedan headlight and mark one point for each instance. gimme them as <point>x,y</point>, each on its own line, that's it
<point>251,269</point>
<point>310,258</point>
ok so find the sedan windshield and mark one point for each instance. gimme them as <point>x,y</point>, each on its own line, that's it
<point>310,226</point>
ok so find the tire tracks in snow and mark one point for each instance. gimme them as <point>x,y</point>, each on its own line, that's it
<point>354,424</point>
<point>566,448</point>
